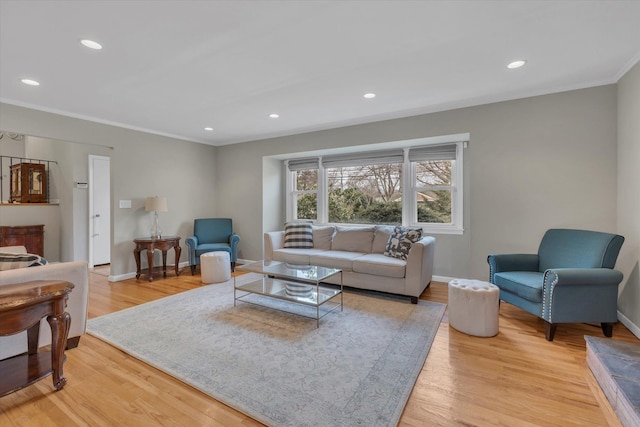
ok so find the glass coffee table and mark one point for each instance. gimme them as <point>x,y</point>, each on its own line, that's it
<point>299,284</point>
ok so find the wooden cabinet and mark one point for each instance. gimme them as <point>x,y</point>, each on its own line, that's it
<point>28,183</point>
<point>29,236</point>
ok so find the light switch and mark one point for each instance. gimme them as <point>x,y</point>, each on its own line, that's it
<point>125,204</point>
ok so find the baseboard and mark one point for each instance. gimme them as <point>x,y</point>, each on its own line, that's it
<point>444,279</point>
<point>635,330</point>
<point>125,276</point>
<point>119,277</point>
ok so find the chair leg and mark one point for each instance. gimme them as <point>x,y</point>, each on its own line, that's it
<point>193,270</point>
<point>607,329</point>
<point>414,300</point>
<point>233,266</point>
<point>549,330</point>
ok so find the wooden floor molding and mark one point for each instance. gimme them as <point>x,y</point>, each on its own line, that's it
<point>514,379</point>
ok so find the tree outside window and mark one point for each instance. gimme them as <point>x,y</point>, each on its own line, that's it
<point>369,194</point>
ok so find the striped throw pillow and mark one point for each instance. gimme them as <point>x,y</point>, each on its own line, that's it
<point>298,235</point>
<point>10,261</point>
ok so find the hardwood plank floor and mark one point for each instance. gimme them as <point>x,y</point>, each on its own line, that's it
<point>514,379</point>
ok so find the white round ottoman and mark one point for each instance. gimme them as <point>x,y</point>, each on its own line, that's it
<point>473,307</point>
<point>215,267</point>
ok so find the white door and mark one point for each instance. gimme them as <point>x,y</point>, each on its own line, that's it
<point>99,210</point>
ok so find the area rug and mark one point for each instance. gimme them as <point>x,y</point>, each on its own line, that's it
<point>357,369</point>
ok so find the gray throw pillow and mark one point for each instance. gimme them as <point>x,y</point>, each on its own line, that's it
<point>400,242</point>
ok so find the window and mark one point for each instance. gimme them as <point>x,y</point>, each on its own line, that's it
<point>436,200</point>
<point>304,203</point>
<point>414,186</point>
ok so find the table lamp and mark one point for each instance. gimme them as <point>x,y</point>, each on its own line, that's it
<point>155,204</point>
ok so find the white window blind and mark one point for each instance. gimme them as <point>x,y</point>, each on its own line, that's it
<point>433,152</point>
<point>363,159</point>
<point>303,164</point>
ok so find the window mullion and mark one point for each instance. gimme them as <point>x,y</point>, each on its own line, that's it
<point>323,197</point>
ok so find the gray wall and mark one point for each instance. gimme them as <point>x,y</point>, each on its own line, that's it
<point>629,195</point>
<point>142,165</point>
<point>532,164</point>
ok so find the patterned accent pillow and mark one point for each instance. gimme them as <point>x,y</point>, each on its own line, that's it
<point>298,235</point>
<point>400,242</point>
<point>10,261</point>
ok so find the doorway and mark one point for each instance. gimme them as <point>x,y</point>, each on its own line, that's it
<point>99,210</point>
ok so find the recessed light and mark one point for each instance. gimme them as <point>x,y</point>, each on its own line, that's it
<point>91,44</point>
<point>369,95</point>
<point>517,64</point>
<point>274,115</point>
<point>208,129</point>
<point>30,82</point>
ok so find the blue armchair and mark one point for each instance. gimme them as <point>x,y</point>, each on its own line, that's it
<point>209,235</point>
<point>570,280</point>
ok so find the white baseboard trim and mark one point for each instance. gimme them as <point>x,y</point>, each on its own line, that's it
<point>125,276</point>
<point>635,330</point>
<point>444,279</point>
<point>119,277</point>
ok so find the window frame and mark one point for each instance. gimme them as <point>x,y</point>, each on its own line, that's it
<point>408,188</point>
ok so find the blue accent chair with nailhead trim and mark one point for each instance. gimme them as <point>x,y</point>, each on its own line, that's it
<point>570,280</point>
<point>209,235</point>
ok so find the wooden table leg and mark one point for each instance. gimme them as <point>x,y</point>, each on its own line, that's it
<point>150,252</point>
<point>136,255</point>
<point>33,335</point>
<point>59,331</point>
<point>177,250</point>
<point>164,262</point>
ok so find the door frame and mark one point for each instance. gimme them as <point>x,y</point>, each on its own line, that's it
<point>91,191</point>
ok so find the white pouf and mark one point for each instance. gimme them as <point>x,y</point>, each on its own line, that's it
<point>215,267</point>
<point>473,307</point>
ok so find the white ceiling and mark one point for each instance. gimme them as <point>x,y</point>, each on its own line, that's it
<point>176,67</point>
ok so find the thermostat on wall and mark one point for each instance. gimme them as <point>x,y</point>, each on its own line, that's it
<point>82,185</point>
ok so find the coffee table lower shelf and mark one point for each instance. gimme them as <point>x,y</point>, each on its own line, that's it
<point>313,295</point>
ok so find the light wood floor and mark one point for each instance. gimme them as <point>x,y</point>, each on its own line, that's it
<point>514,379</point>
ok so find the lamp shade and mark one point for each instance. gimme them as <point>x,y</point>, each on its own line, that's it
<point>157,204</point>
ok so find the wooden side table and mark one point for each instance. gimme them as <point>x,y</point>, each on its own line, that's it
<point>22,306</point>
<point>150,245</point>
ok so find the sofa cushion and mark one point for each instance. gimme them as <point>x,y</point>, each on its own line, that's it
<point>383,232</point>
<point>10,261</point>
<point>380,265</point>
<point>295,256</point>
<point>353,239</point>
<point>335,259</point>
<point>298,235</point>
<point>513,281</point>
<point>322,236</point>
<point>401,240</point>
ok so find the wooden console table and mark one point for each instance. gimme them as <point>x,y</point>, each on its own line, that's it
<point>150,245</point>
<point>22,306</point>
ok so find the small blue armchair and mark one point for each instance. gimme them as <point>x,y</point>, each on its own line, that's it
<point>570,280</point>
<point>209,235</point>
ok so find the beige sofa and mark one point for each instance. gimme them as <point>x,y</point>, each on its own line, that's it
<point>75,272</point>
<point>359,252</point>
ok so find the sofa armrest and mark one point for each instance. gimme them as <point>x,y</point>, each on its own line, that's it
<point>419,269</point>
<point>234,239</point>
<point>511,262</point>
<point>580,295</point>
<point>273,240</point>
<point>75,272</point>
<point>192,244</point>
<point>13,249</point>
